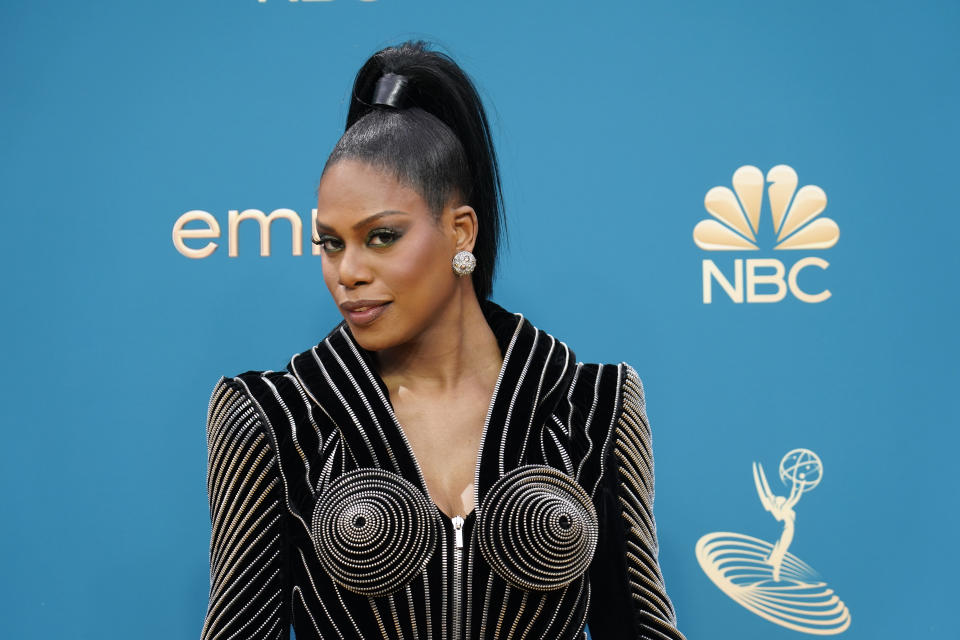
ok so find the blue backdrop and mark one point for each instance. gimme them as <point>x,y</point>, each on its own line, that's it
<point>613,121</point>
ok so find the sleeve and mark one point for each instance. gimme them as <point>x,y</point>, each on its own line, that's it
<point>247,554</point>
<point>630,600</point>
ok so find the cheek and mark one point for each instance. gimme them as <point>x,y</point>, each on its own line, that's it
<point>417,271</point>
<point>329,277</point>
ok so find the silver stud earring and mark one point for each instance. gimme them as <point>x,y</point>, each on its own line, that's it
<point>464,263</point>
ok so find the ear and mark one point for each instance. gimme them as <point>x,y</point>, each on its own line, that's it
<point>465,227</point>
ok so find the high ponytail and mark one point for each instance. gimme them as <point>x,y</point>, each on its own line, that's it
<point>435,139</point>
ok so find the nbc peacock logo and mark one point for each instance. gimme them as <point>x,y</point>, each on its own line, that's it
<point>737,225</point>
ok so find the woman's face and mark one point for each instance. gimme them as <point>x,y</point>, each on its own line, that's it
<point>379,243</point>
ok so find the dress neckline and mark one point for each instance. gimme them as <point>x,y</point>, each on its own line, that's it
<point>340,377</point>
<point>443,514</point>
<point>505,353</point>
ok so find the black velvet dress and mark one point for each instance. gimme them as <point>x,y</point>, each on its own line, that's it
<point>321,518</point>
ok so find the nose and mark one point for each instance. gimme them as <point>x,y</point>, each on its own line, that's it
<point>352,269</point>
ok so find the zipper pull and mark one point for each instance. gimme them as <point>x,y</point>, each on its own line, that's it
<point>458,530</point>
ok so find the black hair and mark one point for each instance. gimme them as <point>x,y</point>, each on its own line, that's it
<point>436,141</point>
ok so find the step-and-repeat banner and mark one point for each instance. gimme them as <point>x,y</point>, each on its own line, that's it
<point>751,203</point>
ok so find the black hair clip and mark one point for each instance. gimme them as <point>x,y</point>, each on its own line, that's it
<point>389,90</point>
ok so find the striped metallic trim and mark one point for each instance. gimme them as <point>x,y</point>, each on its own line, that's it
<point>655,614</point>
<point>247,585</point>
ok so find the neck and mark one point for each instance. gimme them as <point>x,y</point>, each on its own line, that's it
<point>457,347</point>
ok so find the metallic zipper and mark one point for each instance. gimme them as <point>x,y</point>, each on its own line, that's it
<point>457,578</point>
<point>483,438</point>
<point>493,400</point>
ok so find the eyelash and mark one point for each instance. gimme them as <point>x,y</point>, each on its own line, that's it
<point>392,234</point>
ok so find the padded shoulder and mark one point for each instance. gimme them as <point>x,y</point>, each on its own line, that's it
<point>248,575</point>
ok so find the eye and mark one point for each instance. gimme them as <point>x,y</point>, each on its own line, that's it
<point>386,235</point>
<point>323,239</point>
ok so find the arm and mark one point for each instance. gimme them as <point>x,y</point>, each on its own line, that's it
<point>795,493</point>
<point>763,488</point>
<point>247,572</point>
<point>630,600</point>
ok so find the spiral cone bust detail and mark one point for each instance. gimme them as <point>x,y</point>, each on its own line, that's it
<point>538,528</point>
<point>373,531</point>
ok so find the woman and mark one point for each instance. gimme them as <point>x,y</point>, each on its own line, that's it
<point>437,466</point>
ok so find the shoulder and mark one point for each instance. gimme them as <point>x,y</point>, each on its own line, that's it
<point>632,427</point>
<point>632,398</point>
<point>255,385</point>
<point>611,399</point>
<point>228,410</point>
<point>629,450</point>
<point>615,384</point>
<point>601,400</point>
<point>235,434</point>
<point>603,397</point>
<point>276,397</point>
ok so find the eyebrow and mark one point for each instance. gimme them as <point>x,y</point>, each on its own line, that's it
<point>365,221</point>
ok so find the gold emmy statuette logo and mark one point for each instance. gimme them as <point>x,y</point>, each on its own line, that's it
<point>736,226</point>
<point>766,578</point>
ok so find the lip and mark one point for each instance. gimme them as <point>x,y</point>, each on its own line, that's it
<point>368,315</point>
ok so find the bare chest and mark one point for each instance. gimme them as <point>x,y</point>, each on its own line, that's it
<point>444,434</point>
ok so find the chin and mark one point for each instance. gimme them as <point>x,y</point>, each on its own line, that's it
<point>373,337</point>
